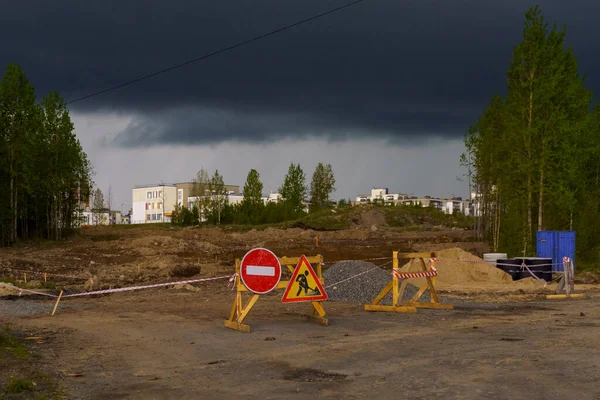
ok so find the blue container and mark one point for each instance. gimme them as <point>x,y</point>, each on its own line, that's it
<point>556,245</point>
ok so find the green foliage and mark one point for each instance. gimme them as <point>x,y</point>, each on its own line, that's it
<point>321,186</point>
<point>343,203</point>
<point>182,216</point>
<point>18,385</point>
<point>293,189</point>
<point>533,155</point>
<point>416,217</point>
<point>12,345</point>
<point>43,169</point>
<point>252,207</point>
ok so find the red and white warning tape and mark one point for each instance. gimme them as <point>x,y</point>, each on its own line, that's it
<point>127,289</point>
<point>21,290</point>
<point>232,281</point>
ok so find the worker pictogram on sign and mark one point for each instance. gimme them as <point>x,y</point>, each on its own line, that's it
<point>304,285</point>
<point>260,270</point>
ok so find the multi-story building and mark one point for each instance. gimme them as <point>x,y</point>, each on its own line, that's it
<point>380,195</point>
<point>274,198</point>
<point>153,203</point>
<point>185,190</point>
<point>453,205</point>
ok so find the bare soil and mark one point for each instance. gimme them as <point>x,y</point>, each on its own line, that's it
<point>502,340</point>
<point>172,344</point>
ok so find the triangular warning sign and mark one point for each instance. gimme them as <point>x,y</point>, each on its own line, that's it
<point>304,284</point>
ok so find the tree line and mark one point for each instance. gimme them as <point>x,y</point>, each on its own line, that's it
<point>44,172</point>
<point>534,154</point>
<point>296,198</point>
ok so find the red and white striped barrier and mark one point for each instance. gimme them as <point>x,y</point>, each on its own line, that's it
<point>407,275</point>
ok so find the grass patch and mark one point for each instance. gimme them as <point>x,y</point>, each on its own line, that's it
<point>19,386</point>
<point>10,344</point>
<point>415,217</point>
<point>23,285</point>
<point>20,378</point>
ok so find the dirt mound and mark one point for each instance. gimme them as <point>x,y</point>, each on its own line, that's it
<point>458,269</point>
<point>369,216</point>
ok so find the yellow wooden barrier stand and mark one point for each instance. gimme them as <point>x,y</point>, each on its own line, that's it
<point>398,290</point>
<point>239,312</point>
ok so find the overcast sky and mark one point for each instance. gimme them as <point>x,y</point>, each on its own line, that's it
<point>383,91</point>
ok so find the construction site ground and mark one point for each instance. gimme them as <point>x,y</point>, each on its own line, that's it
<point>500,342</point>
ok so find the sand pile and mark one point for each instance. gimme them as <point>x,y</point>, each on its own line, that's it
<point>458,269</point>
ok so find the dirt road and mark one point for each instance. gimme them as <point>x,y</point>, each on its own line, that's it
<point>169,344</point>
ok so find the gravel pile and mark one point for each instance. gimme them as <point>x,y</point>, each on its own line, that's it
<point>364,288</point>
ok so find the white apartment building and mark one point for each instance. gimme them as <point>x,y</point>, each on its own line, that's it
<point>153,203</point>
<point>454,205</point>
<point>380,194</point>
<point>274,198</point>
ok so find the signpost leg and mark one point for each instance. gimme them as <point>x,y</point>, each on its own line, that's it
<point>241,314</point>
<point>321,320</point>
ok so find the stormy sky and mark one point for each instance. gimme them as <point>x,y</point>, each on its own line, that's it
<point>382,90</point>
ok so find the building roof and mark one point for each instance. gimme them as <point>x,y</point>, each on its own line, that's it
<point>154,185</point>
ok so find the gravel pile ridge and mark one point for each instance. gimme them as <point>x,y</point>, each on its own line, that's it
<point>364,288</point>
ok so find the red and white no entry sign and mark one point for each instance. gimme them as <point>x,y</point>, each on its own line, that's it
<point>260,270</point>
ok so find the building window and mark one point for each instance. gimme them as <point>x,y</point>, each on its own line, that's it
<point>148,195</point>
<point>159,206</point>
<point>147,217</point>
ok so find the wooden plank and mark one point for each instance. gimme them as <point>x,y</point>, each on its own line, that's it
<point>394,278</point>
<point>564,296</point>
<point>248,307</point>
<point>377,307</point>
<point>318,307</point>
<point>57,301</point>
<point>281,285</point>
<point>416,255</point>
<point>382,294</point>
<point>432,292</point>
<point>294,260</point>
<point>233,308</point>
<point>237,326</point>
<point>418,295</point>
<point>318,320</point>
<point>441,306</point>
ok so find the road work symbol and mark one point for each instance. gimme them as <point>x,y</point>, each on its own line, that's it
<point>304,284</point>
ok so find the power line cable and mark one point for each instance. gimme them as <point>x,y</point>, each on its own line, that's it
<point>223,50</point>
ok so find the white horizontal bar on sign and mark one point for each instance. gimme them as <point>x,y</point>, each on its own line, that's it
<point>260,270</point>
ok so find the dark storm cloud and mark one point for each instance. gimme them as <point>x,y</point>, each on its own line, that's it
<point>389,68</point>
